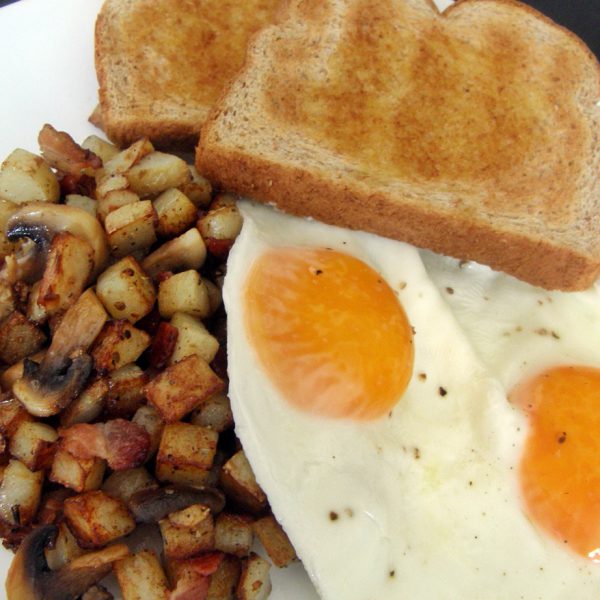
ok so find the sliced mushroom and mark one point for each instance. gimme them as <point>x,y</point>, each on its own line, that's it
<point>47,387</point>
<point>39,221</point>
<point>30,578</point>
<point>151,505</point>
<point>187,251</point>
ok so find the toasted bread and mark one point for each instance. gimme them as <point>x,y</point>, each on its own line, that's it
<point>474,132</point>
<point>161,64</point>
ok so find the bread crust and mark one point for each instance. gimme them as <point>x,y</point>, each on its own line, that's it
<point>561,253</point>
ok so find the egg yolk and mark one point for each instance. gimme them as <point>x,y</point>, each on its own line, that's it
<point>560,470</point>
<point>329,331</point>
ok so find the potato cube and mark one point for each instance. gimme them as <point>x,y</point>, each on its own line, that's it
<point>141,577</point>
<point>255,579</point>
<point>114,199</point>
<point>186,453</point>
<point>19,338</point>
<point>12,415</point>
<point>25,177</point>
<point>68,268</point>
<point>124,160</point>
<point>35,313</point>
<point>64,549</point>
<point>88,406</point>
<point>148,418</point>
<point>131,228</point>
<point>233,534</point>
<point>21,490</point>
<point>275,541</point>
<point>123,484</point>
<point>193,338</point>
<point>239,483</point>
<point>184,252</point>
<point>224,580</point>
<point>32,443</point>
<point>188,532</point>
<point>118,344</point>
<point>126,391</point>
<point>197,189</point>
<point>101,148</point>
<point>108,182</point>
<point>175,211</point>
<point>84,202</point>
<point>183,292</point>
<point>181,387</point>
<point>215,413</point>
<point>126,291</point>
<point>79,474</point>
<point>95,518</point>
<point>157,172</point>
<point>97,592</point>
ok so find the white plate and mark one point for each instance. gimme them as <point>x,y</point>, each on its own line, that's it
<point>47,76</point>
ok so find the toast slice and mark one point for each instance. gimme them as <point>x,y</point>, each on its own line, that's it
<point>474,132</point>
<point>161,64</point>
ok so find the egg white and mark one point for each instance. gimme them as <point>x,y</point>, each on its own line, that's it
<point>423,504</point>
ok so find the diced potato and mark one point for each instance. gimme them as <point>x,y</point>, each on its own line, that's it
<point>126,159</point>
<point>223,221</point>
<point>126,391</point>
<point>126,291</point>
<point>275,541</point>
<point>68,268</point>
<point>214,413</point>
<point>148,418</point>
<point>224,580</point>
<point>187,251</point>
<point>26,177</point>
<point>114,199</point>
<point>197,189</point>
<point>141,577</point>
<point>12,416</point>
<point>193,338</point>
<point>183,292</point>
<point>7,208</point>
<point>97,592</point>
<point>79,474</point>
<point>181,387</point>
<point>186,453</point>
<point>118,344</point>
<point>123,484</point>
<point>19,338</point>
<point>88,406</point>
<point>175,211</point>
<point>188,531</point>
<point>131,228</point>
<point>108,182</point>
<point>255,580</point>
<point>157,172</point>
<point>239,483</point>
<point>20,493</point>
<point>215,296</point>
<point>64,550</point>
<point>32,444</point>
<point>233,534</point>
<point>95,518</point>
<point>7,298</point>
<point>84,202</point>
<point>105,150</point>
<point>190,577</point>
<point>35,313</point>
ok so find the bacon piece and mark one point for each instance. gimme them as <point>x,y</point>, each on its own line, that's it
<point>122,443</point>
<point>194,579</point>
<point>163,345</point>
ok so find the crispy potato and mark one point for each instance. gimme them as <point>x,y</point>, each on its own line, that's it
<point>193,338</point>
<point>126,391</point>
<point>131,228</point>
<point>148,418</point>
<point>64,549</point>
<point>175,212</point>
<point>141,577</point>
<point>255,580</point>
<point>26,177</point>
<point>214,413</point>
<point>7,298</point>
<point>97,592</point>
<point>32,444</point>
<point>35,313</point>
<point>198,189</point>
<point>224,580</point>
<point>20,493</point>
<point>126,159</point>
<point>118,344</point>
<point>95,518</point>
<point>187,251</point>
<point>105,150</point>
<point>186,453</point>
<point>126,291</point>
<point>239,483</point>
<point>12,416</point>
<point>84,202</point>
<point>79,474</point>
<point>114,199</point>
<point>181,387</point>
<point>183,292</point>
<point>157,172</point>
<point>275,541</point>
<point>234,534</point>
<point>19,338</point>
<point>69,266</point>
<point>109,182</point>
<point>123,484</point>
<point>188,531</point>
<point>88,406</point>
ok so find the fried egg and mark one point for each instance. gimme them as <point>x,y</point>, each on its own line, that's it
<point>386,445</point>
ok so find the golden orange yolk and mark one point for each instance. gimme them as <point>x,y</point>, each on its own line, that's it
<point>560,470</point>
<point>329,331</point>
